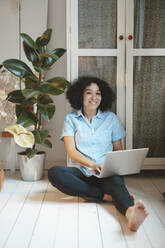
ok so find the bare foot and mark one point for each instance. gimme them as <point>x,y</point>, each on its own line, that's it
<point>107,198</point>
<point>136,215</point>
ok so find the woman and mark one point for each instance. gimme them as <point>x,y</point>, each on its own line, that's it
<point>88,135</point>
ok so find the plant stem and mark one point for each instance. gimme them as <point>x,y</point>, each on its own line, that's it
<point>37,125</point>
<point>38,115</point>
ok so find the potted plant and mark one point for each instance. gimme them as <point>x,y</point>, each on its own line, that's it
<point>33,100</point>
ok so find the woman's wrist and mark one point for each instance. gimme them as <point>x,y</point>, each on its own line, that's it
<point>92,164</point>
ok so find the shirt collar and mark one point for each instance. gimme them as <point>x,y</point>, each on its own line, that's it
<point>99,114</point>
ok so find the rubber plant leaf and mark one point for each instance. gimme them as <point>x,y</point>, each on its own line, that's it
<point>45,99</point>
<point>29,93</point>
<point>57,53</point>
<point>59,82</point>
<point>25,117</point>
<point>40,136</point>
<point>31,84</point>
<point>47,111</point>
<point>45,38</point>
<point>47,144</point>
<point>29,41</point>
<point>30,152</point>
<point>30,53</point>
<point>16,96</point>
<point>18,68</point>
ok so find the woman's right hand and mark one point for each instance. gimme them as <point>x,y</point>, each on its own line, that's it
<point>97,167</point>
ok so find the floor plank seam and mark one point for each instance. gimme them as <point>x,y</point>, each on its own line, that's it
<point>38,215</point>
<point>17,216</point>
<point>101,235</point>
<point>153,207</point>
<point>78,223</point>
<point>12,193</point>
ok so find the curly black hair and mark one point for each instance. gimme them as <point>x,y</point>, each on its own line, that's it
<point>74,93</point>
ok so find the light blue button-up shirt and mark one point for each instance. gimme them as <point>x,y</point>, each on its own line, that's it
<point>93,139</point>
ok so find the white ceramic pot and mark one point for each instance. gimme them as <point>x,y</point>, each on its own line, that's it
<point>31,169</point>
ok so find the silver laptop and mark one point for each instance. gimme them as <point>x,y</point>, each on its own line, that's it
<point>123,162</point>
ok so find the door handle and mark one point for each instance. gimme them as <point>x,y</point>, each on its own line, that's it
<point>130,37</point>
<point>121,37</point>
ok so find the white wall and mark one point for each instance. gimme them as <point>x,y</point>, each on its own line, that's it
<point>57,21</point>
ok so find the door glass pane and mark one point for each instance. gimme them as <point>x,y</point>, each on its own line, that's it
<point>97,23</point>
<point>149,105</point>
<point>149,24</point>
<point>102,67</point>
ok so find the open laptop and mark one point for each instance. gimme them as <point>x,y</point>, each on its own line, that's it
<point>123,162</point>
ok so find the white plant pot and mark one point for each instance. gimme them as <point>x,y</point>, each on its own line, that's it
<point>31,169</point>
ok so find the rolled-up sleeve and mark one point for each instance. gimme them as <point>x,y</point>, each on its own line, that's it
<point>68,128</point>
<point>118,131</point>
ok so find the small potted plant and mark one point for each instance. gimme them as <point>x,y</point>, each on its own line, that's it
<point>33,100</point>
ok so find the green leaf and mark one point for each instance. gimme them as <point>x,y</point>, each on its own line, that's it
<point>59,82</point>
<point>29,93</point>
<point>45,38</point>
<point>16,96</point>
<point>47,60</point>
<point>33,78</point>
<point>31,84</point>
<point>55,86</point>
<point>41,48</point>
<point>40,136</point>
<point>30,53</point>
<point>46,99</point>
<point>29,102</point>
<point>25,117</point>
<point>29,41</point>
<point>47,111</point>
<point>51,89</point>
<point>30,152</point>
<point>57,53</point>
<point>47,144</point>
<point>18,68</point>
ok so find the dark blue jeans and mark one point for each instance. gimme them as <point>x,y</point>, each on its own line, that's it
<point>72,181</point>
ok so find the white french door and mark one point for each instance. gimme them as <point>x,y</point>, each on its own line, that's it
<point>110,39</point>
<point>145,80</point>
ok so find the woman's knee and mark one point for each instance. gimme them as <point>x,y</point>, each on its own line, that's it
<point>116,179</point>
<point>54,173</point>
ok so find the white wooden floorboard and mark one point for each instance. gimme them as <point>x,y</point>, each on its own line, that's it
<point>57,223</point>
<point>67,230</point>
<point>152,225</point>
<point>10,213</point>
<point>28,216</point>
<point>133,239</point>
<point>159,183</point>
<point>32,215</point>
<point>110,227</point>
<point>47,221</point>
<point>156,198</point>
<point>9,187</point>
<point>89,228</point>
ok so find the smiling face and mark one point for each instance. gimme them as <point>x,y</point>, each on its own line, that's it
<point>91,97</point>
